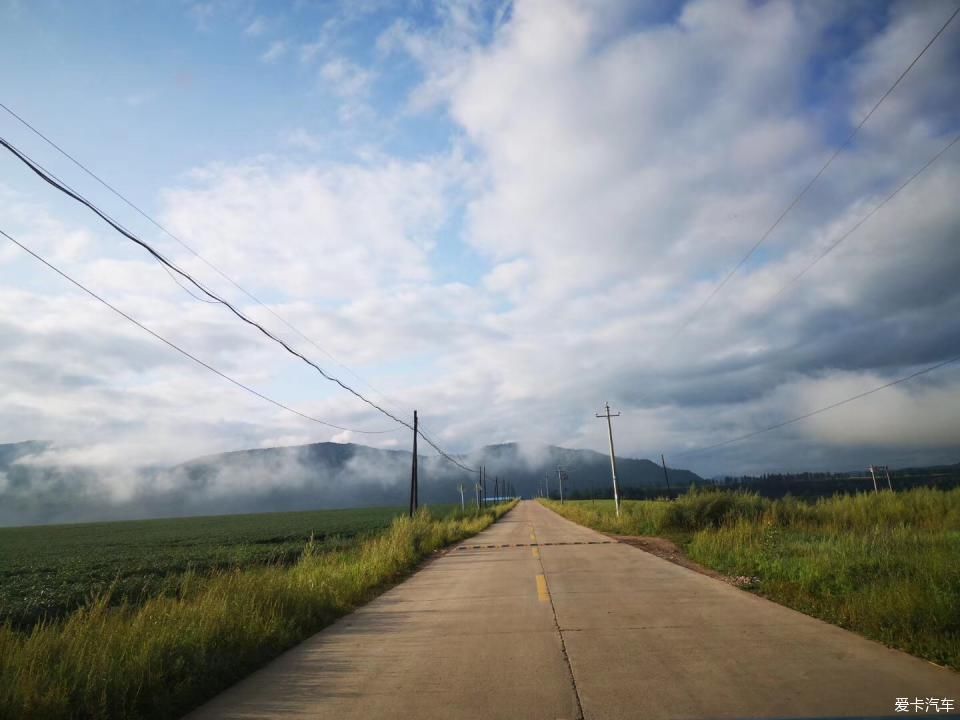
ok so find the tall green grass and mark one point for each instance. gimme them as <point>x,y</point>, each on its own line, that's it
<point>692,511</point>
<point>168,654</point>
<point>886,565</point>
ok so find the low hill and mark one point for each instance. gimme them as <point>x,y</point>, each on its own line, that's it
<point>316,476</point>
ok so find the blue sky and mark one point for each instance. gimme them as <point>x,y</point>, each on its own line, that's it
<point>174,88</point>
<point>497,213</point>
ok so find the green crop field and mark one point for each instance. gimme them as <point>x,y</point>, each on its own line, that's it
<point>233,593</point>
<point>49,571</point>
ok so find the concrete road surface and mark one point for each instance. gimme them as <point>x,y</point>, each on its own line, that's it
<point>537,617</point>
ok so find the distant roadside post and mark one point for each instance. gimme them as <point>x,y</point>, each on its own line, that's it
<point>874,469</point>
<point>613,456</point>
<point>413,470</point>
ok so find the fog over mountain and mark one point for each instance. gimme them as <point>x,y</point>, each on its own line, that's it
<point>502,215</point>
<point>35,488</point>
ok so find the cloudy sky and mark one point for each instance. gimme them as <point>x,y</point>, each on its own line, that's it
<point>502,214</point>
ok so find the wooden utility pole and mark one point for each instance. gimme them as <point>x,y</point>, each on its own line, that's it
<point>413,471</point>
<point>613,456</point>
<point>665,475</point>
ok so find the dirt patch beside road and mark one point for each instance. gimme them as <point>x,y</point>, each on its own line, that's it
<point>669,550</point>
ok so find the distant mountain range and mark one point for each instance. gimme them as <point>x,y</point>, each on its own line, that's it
<point>321,475</point>
<point>342,468</point>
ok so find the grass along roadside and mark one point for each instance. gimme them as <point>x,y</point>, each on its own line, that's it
<point>884,565</point>
<point>167,655</point>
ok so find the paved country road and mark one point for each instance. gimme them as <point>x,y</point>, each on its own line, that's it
<point>538,617</point>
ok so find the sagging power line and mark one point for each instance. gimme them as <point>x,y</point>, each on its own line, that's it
<point>149,218</point>
<point>824,409</point>
<point>179,349</point>
<point>58,185</point>
<point>713,293</point>
<point>833,246</point>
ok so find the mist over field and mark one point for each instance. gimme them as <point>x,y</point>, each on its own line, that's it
<point>39,485</point>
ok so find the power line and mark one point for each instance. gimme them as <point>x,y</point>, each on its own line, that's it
<point>179,349</point>
<point>820,257</point>
<point>823,409</point>
<point>183,244</point>
<point>53,182</point>
<point>166,269</point>
<point>163,260</point>
<point>830,248</point>
<point>806,188</point>
<point>187,290</point>
<point>444,455</point>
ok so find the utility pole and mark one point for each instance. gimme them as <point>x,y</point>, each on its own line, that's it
<point>463,501</point>
<point>613,457</point>
<point>496,488</point>
<point>546,482</point>
<point>874,469</point>
<point>560,481</point>
<point>413,471</point>
<point>665,475</point>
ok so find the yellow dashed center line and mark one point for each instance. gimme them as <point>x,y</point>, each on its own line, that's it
<point>542,591</point>
<point>536,552</point>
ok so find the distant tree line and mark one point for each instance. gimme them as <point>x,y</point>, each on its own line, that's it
<point>804,484</point>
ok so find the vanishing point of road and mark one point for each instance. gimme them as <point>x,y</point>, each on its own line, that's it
<point>537,617</point>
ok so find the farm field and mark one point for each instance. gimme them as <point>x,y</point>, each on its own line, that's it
<point>202,631</point>
<point>49,571</point>
<point>881,564</point>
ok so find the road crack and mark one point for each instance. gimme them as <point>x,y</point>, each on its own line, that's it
<point>563,644</point>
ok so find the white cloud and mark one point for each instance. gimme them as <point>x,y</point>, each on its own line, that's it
<point>300,138</point>
<point>309,51</point>
<point>630,168</point>
<point>202,12</point>
<point>320,234</point>
<point>615,170</point>
<point>277,50</point>
<point>136,99</point>
<point>346,78</point>
<point>256,27</point>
